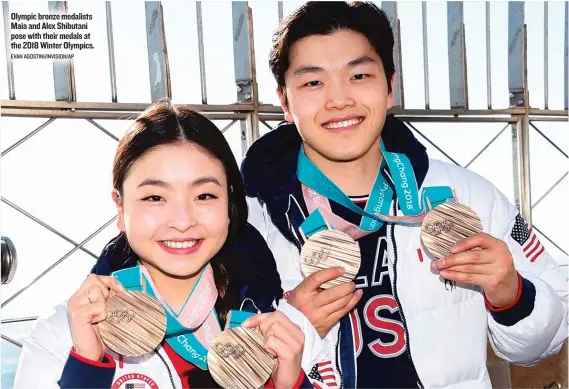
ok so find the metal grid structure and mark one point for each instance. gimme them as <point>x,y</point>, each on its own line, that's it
<point>520,118</point>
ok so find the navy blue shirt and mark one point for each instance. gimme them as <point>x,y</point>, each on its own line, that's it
<point>381,347</point>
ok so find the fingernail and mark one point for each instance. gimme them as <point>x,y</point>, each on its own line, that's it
<point>434,265</point>
<point>245,323</point>
<point>454,248</point>
<point>360,292</point>
<point>341,270</point>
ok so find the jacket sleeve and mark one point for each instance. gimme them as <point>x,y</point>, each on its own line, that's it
<point>315,348</point>
<point>534,327</point>
<point>46,361</point>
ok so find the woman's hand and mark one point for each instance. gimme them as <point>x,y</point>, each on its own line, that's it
<point>87,308</point>
<point>285,341</point>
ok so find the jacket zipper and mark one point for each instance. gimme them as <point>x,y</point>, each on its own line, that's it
<point>338,367</point>
<point>395,295</point>
<point>167,368</point>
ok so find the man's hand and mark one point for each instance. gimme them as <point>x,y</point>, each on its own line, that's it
<point>491,267</point>
<point>324,307</point>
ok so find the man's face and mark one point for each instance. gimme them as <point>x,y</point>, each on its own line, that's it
<point>337,94</point>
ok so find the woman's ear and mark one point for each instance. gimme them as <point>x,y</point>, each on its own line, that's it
<point>117,199</point>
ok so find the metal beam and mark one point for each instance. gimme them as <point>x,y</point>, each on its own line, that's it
<point>157,52</point>
<point>280,10</point>
<point>111,47</point>
<point>565,63</point>
<point>25,138</point>
<point>487,145</point>
<point>425,54</point>
<point>7,41</point>
<point>10,340</point>
<point>516,81</point>
<point>46,226</point>
<point>550,189</point>
<point>12,297</point>
<point>201,51</point>
<point>546,54</point>
<point>457,55</point>
<point>245,72</point>
<point>488,59</point>
<point>390,8</point>
<point>47,113</point>
<point>63,72</point>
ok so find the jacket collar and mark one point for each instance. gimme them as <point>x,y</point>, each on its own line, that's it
<point>269,167</point>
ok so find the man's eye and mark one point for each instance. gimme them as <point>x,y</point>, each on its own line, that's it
<point>360,76</point>
<point>153,198</point>
<point>312,83</point>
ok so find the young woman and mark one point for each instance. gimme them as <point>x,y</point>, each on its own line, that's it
<point>182,214</point>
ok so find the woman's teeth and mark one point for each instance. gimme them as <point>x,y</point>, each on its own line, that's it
<point>179,245</point>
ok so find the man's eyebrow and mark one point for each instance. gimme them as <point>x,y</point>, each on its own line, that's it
<point>307,69</point>
<point>360,61</point>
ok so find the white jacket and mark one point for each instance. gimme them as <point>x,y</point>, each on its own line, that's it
<point>447,331</point>
<point>46,351</point>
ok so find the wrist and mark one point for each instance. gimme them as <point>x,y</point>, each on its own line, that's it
<point>507,295</point>
<point>89,355</point>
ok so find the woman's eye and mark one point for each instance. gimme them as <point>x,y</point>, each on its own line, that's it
<point>206,196</point>
<point>153,198</point>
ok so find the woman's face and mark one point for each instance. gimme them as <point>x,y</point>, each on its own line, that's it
<point>174,209</point>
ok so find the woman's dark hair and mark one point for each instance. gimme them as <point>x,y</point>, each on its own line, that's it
<point>163,124</point>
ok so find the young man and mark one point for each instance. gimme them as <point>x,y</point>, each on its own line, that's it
<point>408,319</point>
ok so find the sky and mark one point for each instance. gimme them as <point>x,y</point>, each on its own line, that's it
<point>62,175</point>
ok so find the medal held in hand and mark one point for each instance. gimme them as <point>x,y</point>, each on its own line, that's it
<point>447,224</point>
<point>237,359</point>
<point>331,248</point>
<point>135,324</point>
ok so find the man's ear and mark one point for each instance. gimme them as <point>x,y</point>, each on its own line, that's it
<point>120,210</point>
<point>284,105</point>
<point>391,95</point>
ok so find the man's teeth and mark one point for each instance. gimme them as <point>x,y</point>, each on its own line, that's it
<point>345,123</point>
<point>179,245</point>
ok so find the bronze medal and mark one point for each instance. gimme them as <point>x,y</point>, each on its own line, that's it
<point>135,324</point>
<point>237,359</point>
<point>330,248</point>
<point>447,224</point>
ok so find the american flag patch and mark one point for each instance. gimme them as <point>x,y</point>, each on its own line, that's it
<point>135,386</point>
<point>527,238</point>
<point>323,372</point>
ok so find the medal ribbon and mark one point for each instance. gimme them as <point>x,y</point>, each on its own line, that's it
<point>317,189</point>
<point>190,332</point>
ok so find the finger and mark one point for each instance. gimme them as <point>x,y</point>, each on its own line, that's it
<point>90,313</point>
<point>105,282</point>
<point>337,305</point>
<point>348,307</point>
<point>278,348</point>
<point>334,293</point>
<point>463,258</point>
<point>279,318</point>
<point>467,278</point>
<point>279,331</point>
<point>313,281</point>
<point>255,320</point>
<point>481,240</point>
<point>483,269</point>
<point>93,295</point>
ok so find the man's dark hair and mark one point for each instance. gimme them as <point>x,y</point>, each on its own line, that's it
<point>327,17</point>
